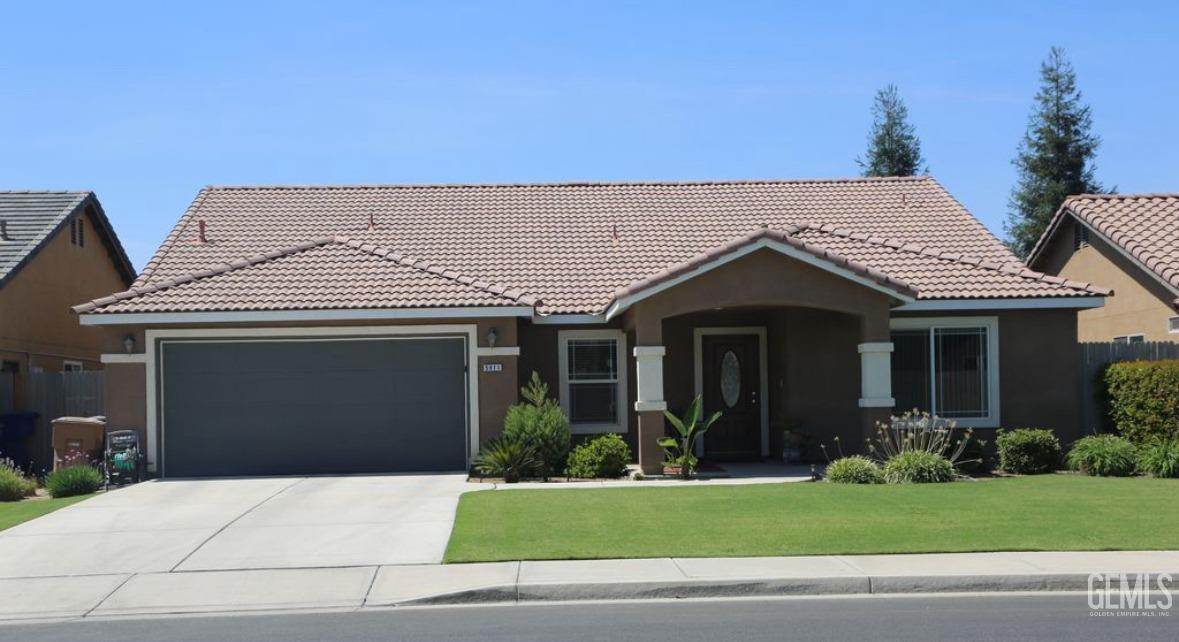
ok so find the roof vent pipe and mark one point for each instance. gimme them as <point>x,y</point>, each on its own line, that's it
<point>372,222</point>
<point>4,231</point>
<point>201,238</point>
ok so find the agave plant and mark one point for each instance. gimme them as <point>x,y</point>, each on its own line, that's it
<point>680,448</point>
<point>507,458</point>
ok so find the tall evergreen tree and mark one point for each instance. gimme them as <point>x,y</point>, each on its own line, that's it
<point>1055,157</point>
<point>893,146</point>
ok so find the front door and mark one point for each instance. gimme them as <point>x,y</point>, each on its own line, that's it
<point>732,384</point>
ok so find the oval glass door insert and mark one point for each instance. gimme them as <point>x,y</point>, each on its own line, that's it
<point>730,379</point>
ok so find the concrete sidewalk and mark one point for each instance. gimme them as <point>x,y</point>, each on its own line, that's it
<point>358,587</point>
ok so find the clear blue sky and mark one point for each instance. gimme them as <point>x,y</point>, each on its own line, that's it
<point>146,103</point>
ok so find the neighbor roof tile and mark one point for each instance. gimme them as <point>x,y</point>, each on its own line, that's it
<point>1145,226</point>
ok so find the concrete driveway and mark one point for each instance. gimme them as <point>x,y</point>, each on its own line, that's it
<point>241,523</point>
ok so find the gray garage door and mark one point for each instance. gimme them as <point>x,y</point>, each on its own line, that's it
<point>313,406</point>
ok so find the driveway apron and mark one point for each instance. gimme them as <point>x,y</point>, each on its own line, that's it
<point>241,523</point>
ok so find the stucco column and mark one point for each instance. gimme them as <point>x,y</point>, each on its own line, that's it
<point>876,374</point>
<point>649,383</point>
<point>876,400</point>
<point>649,403</point>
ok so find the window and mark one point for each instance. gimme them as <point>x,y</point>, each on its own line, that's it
<point>71,366</point>
<point>1080,236</point>
<point>1132,338</point>
<point>593,379</point>
<point>1173,325</point>
<point>948,367</point>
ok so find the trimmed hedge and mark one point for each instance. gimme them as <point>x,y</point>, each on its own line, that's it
<point>1028,451</point>
<point>601,457</point>
<point>1143,399</point>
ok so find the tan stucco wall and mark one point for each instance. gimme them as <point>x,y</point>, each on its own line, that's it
<point>35,314</point>
<point>38,330</point>
<point>1140,305</point>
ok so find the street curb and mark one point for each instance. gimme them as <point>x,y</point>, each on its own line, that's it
<point>686,589</point>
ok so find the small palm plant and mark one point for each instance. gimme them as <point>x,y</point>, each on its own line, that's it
<point>507,458</point>
<point>681,448</point>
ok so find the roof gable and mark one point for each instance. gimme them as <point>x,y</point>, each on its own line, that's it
<point>782,242</point>
<point>1144,227</point>
<point>31,218</point>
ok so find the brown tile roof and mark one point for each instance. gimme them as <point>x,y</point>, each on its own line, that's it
<point>572,246</point>
<point>938,274</point>
<point>1146,226</point>
<point>326,273</point>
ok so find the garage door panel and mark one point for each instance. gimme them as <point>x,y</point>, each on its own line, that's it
<point>308,407</point>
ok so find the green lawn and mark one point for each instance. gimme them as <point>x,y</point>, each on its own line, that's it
<point>13,513</point>
<point>1049,512</point>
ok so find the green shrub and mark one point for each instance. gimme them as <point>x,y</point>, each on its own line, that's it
<point>855,469</point>
<point>1160,458</point>
<point>1103,456</point>
<point>918,467</point>
<point>507,458</point>
<point>1143,399</point>
<point>1028,451</point>
<point>604,456</point>
<point>79,479</point>
<point>542,424</point>
<point>14,486</point>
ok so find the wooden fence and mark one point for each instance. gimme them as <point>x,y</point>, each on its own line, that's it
<point>1096,356</point>
<point>59,394</point>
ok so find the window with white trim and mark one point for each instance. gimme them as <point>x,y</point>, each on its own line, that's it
<point>1131,338</point>
<point>68,365</point>
<point>593,379</point>
<point>1173,325</point>
<point>949,367</point>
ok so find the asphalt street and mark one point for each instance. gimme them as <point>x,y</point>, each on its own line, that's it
<point>909,618</point>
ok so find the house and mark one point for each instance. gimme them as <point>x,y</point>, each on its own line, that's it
<point>1129,242</point>
<point>388,327</point>
<point>56,248</point>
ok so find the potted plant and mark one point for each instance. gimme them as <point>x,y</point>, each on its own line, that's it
<point>680,449</point>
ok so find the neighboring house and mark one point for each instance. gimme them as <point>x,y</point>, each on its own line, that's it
<point>388,328</point>
<point>55,249</point>
<point>1129,242</point>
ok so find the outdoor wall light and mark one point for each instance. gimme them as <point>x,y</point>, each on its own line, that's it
<point>129,343</point>
<point>492,336</point>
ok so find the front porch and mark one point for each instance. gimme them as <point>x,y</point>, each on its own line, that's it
<point>768,370</point>
<point>773,339</point>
